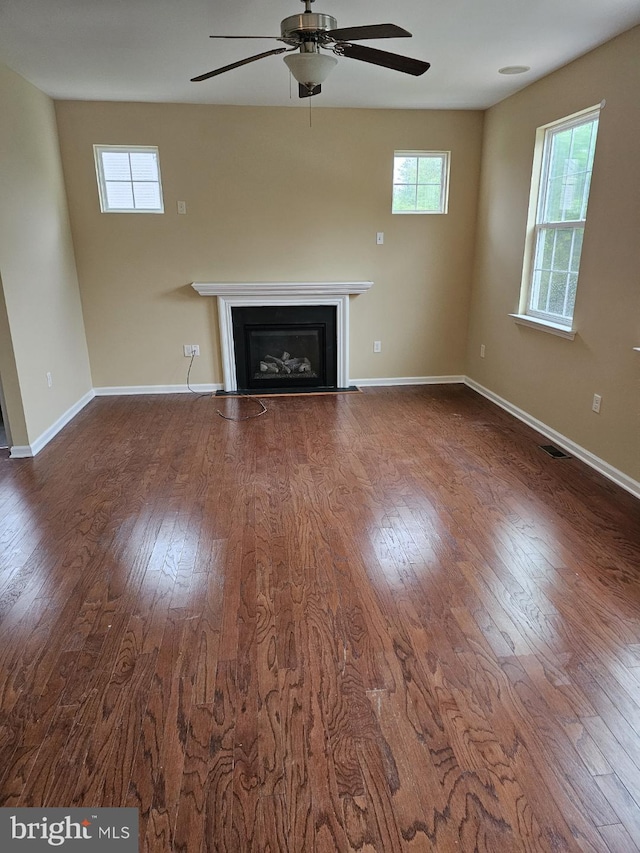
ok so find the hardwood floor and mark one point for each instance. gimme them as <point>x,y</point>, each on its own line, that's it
<point>372,622</point>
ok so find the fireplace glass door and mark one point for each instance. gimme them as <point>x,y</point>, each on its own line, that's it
<point>280,347</point>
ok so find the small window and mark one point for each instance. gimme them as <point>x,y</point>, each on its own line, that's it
<point>420,181</point>
<point>128,179</point>
<point>560,193</point>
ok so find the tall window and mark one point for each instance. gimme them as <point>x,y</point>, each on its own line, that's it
<point>128,179</point>
<point>420,182</point>
<point>561,213</point>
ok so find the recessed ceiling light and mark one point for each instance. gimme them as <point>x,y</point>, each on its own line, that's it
<point>514,69</point>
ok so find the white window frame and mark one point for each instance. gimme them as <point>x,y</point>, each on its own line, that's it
<point>536,224</point>
<point>98,151</point>
<point>445,157</point>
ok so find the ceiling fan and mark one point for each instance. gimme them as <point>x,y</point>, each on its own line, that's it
<point>310,32</point>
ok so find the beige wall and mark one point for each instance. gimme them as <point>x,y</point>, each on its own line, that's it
<point>269,198</point>
<point>41,326</point>
<point>550,378</point>
<point>12,396</point>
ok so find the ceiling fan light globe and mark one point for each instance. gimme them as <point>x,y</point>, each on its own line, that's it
<point>310,69</point>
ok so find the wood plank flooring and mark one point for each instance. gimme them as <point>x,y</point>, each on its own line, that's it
<point>372,622</point>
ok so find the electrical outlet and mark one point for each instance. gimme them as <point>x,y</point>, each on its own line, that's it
<point>597,402</point>
<point>377,346</point>
<point>182,207</point>
<point>195,349</point>
<point>190,349</point>
<point>481,350</point>
<point>49,380</point>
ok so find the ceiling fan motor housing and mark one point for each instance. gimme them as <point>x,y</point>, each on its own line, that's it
<point>310,26</point>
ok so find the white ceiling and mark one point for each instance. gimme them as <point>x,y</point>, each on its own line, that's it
<point>147,50</point>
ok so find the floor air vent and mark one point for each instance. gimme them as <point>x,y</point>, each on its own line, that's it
<point>554,452</point>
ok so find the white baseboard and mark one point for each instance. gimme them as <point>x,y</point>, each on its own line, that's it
<point>21,451</point>
<point>619,477</point>
<point>408,380</point>
<point>25,451</point>
<point>123,390</point>
<point>117,390</point>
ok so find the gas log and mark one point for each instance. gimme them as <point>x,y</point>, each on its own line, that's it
<point>284,365</point>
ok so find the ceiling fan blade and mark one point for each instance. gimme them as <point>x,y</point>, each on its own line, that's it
<point>406,64</point>
<point>246,37</point>
<point>370,31</point>
<point>238,64</point>
<point>306,92</point>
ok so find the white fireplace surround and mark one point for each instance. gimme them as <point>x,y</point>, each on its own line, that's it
<point>235,295</point>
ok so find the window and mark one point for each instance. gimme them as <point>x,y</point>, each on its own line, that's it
<point>556,228</point>
<point>420,182</point>
<point>128,179</point>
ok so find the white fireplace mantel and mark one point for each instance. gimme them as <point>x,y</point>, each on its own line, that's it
<point>237,294</point>
<point>282,288</point>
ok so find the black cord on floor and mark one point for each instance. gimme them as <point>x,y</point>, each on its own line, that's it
<point>246,417</point>
<point>226,417</point>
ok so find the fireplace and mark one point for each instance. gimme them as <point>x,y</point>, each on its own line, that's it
<point>334,295</point>
<point>289,347</point>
